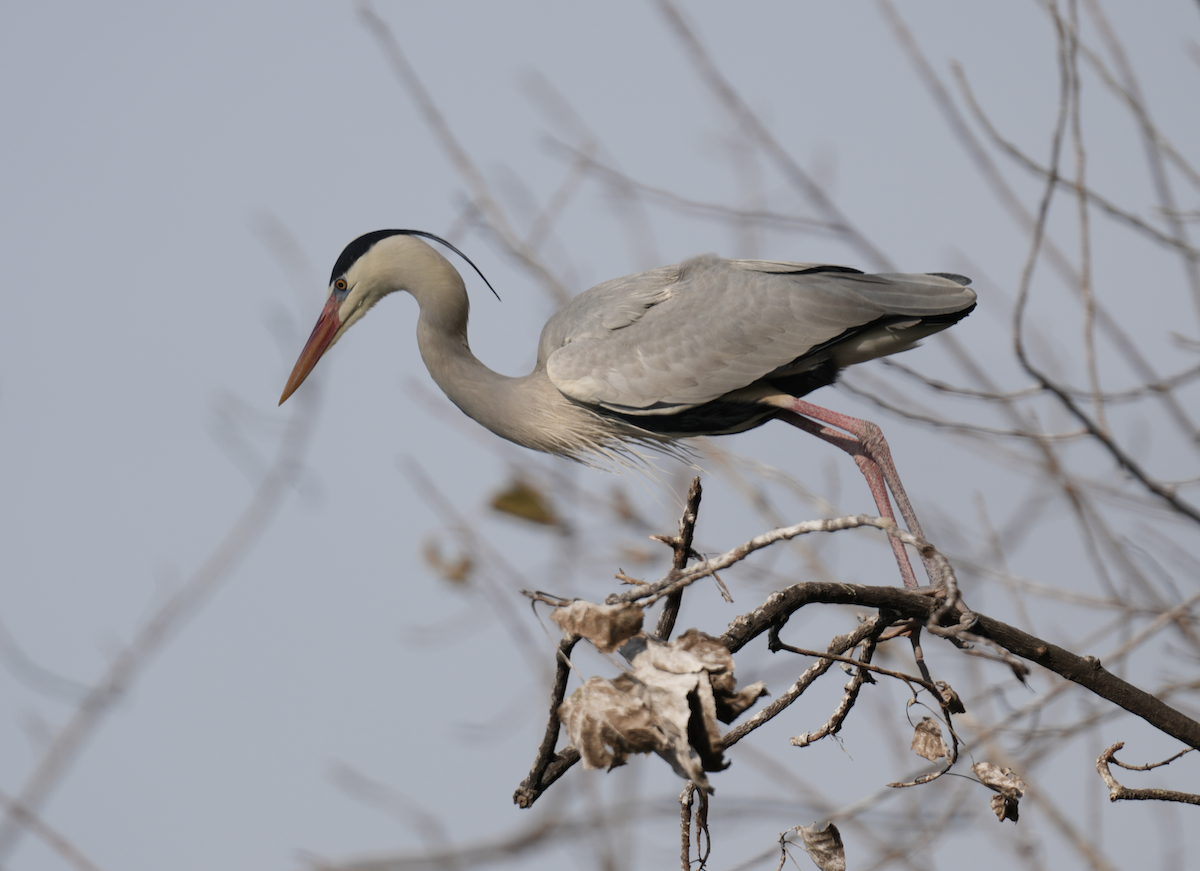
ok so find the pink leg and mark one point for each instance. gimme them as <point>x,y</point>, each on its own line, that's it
<point>870,451</point>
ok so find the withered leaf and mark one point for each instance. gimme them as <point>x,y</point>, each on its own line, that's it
<point>731,705</point>
<point>606,626</point>
<point>1005,782</point>
<point>1005,808</point>
<point>951,699</point>
<point>667,703</point>
<point>684,708</point>
<point>521,500</point>
<point>603,714</point>
<point>454,570</point>
<point>694,651</point>
<point>927,740</point>
<point>824,846</point>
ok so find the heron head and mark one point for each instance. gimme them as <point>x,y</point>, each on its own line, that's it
<point>368,269</point>
<point>362,276</point>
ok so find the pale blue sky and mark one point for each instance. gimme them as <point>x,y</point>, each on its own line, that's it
<point>144,144</point>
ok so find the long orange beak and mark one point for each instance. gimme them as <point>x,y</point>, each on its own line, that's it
<point>327,325</point>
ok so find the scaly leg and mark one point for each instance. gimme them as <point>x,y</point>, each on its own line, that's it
<point>867,445</point>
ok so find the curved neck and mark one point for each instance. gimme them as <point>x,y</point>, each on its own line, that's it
<point>481,393</point>
<point>465,380</point>
<point>518,409</point>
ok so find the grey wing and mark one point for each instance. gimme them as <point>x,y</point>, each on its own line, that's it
<point>678,337</point>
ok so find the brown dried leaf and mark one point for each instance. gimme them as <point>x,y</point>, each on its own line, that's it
<point>1005,808</point>
<point>523,501</point>
<point>602,714</point>
<point>1019,669</point>
<point>950,698</point>
<point>454,570</point>
<point>708,652</point>
<point>824,846</point>
<point>667,704</point>
<point>629,715</point>
<point>693,652</point>
<point>731,705</point>
<point>1005,782</point>
<point>606,626</point>
<point>679,704</point>
<point>927,740</point>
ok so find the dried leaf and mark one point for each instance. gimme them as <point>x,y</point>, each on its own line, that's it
<point>950,698</point>
<point>667,704</point>
<point>1005,782</point>
<point>679,703</point>
<point>824,846</point>
<point>691,652</point>
<point>454,570</point>
<point>694,651</point>
<point>602,714</point>
<point>927,740</point>
<point>731,706</point>
<point>1005,808</point>
<point>523,501</point>
<point>606,626</point>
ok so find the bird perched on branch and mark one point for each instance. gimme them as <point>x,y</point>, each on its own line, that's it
<point>706,347</point>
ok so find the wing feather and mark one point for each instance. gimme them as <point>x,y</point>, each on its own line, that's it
<point>678,337</point>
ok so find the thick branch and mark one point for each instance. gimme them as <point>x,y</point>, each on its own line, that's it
<point>1083,670</point>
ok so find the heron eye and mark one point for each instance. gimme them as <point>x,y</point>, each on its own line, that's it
<point>340,284</point>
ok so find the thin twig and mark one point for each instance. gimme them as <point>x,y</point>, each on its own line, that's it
<point>1117,792</point>
<point>690,206</point>
<point>1148,766</point>
<point>1016,209</point>
<point>1163,385</point>
<point>1123,459</point>
<point>838,645</point>
<point>959,426</point>
<point>685,825</point>
<point>850,694</point>
<point>657,590</point>
<point>682,545</point>
<point>481,193</point>
<point>536,783</point>
<point>576,172</point>
<point>1151,142</point>
<point>50,836</point>
<point>1085,240</point>
<point>859,663</point>
<point>1091,196</point>
<point>752,125</point>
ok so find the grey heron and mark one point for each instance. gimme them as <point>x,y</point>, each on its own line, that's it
<point>705,347</point>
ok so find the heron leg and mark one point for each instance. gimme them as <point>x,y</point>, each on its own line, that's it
<point>866,444</point>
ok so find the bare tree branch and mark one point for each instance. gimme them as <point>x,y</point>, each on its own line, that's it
<point>1117,792</point>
